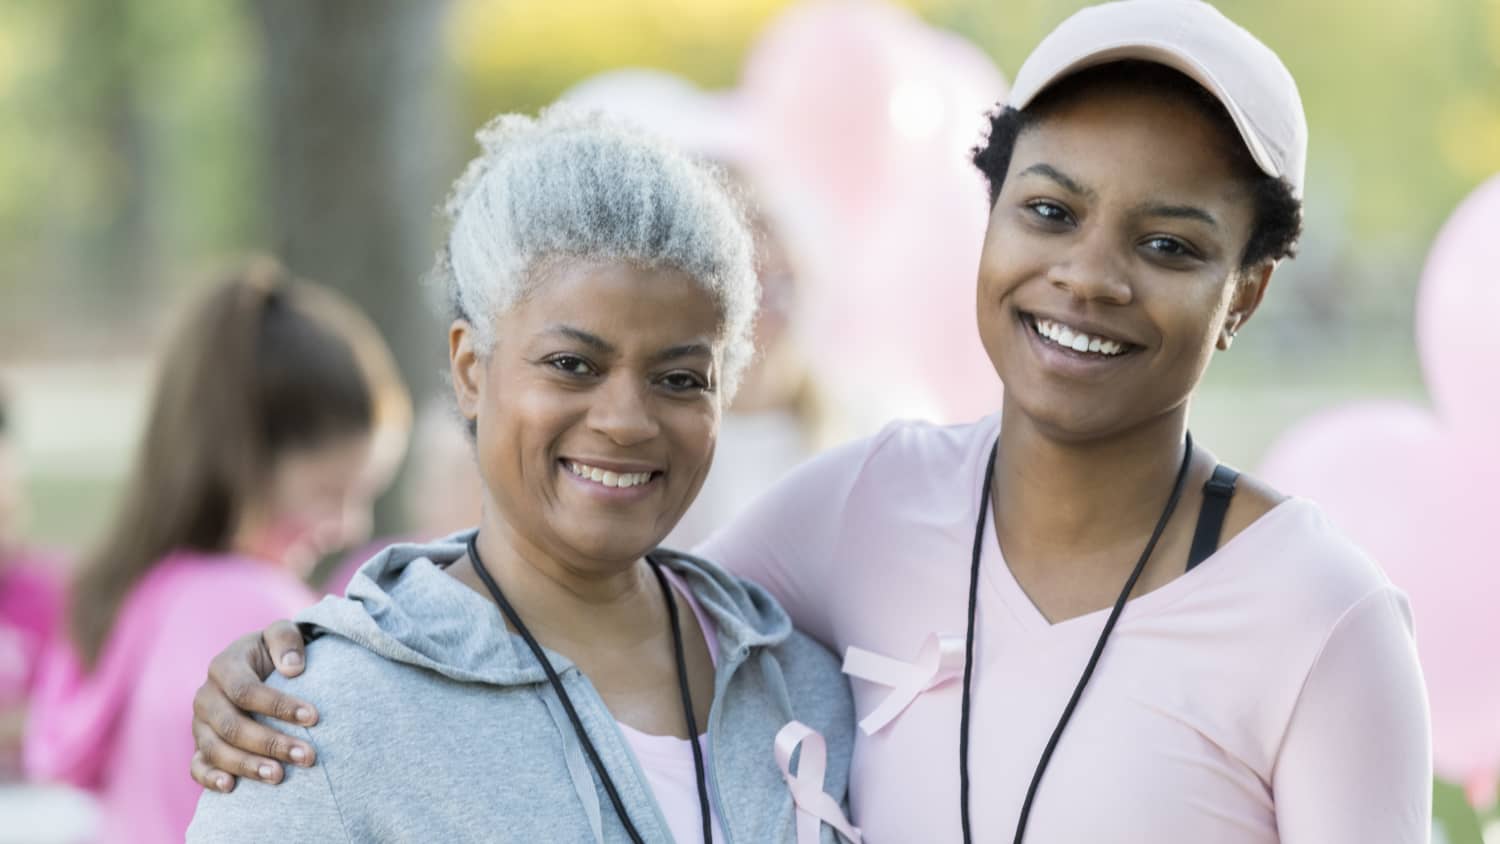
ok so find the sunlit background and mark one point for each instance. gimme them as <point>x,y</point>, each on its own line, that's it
<point>146,145</point>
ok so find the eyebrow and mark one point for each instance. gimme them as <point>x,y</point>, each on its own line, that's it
<point>683,351</point>
<point>1177,212</point>
<point>593,341</point>
<point>603,347</point>
<point>1061,178</point>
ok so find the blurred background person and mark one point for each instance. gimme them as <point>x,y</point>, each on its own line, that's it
<point>259,456</point>
<point>443,492</point>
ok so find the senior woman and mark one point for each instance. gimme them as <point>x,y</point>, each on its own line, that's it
<point>550,677</point>
<point>1068,621</point>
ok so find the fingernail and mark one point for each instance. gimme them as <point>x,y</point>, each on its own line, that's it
<point>266,772</point>
<point>304,715</point>
<point>292,660</point>
<point>298,754</point>
<point>221,783</point>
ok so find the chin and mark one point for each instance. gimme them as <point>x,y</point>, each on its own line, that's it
<point>1069,419</point>
<point>611,547</point>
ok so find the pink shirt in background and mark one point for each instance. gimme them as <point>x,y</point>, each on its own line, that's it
<point>667,761</point>
<point>123,729</point>
<point>31,607</point>
<point>1271,695</point>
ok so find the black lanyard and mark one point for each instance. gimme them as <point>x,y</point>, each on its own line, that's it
<point>1088,671</point>
<point>567,702</point>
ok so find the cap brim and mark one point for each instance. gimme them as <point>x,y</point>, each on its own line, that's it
<point>1156,53</point>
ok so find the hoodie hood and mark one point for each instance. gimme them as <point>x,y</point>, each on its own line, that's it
<point>402,606</point>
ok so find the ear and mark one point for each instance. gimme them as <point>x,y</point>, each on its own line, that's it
<point>466,367</point>
<point>1249,289</point>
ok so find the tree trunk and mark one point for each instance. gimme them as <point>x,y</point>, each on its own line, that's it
<point>357,141</point>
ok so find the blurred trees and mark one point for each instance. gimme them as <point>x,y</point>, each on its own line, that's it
<point>138,147</point>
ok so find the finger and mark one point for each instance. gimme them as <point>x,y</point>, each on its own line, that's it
<point>210,777</point>
<point>283,641</point>
<point>234,683</point>
<point>215,715</point>
<point>226,757</point>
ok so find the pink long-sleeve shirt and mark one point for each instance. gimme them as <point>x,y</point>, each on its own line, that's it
<point>124,729</point>
<point>1270,695</point>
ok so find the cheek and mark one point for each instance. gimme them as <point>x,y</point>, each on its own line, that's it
<point>694,433</point>
<point>520,423</point>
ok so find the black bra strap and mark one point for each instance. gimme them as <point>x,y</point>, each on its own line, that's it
<point>1216,495</point>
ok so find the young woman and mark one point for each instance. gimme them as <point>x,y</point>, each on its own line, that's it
<point>255,461</point>
<point>1067,622</point>
<point>585,687</point>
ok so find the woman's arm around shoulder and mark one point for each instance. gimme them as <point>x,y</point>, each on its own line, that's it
<point>1355,765</point>
<point>302,808</point>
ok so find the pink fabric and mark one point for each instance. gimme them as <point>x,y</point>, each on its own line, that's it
<point>123,730</point>
<point>31,606</point>
<point>667,761</point>
<point>1271,695</point>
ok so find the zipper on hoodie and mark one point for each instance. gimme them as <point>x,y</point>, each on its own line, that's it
<point>715,717</point>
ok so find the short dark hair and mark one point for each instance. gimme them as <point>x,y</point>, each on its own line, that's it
<point>1278,211</point>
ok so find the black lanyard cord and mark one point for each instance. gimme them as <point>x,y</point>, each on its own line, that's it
<point>1088,671</point>
<point>687,703</point>
<point>567,702</point>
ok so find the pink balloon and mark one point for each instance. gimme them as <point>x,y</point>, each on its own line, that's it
<point>1456,309</point>
<point>864,118</point>
<point>1418,490</point>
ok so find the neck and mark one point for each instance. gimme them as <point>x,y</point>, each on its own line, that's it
<point>1056,496</point>
<point>577,600</point>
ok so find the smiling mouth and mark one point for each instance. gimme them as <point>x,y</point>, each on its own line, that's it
<point>608,478</point>
<point>1069,339</point>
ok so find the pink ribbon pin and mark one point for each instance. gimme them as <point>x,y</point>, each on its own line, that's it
<point>814,805</point>
<point>940,660</point>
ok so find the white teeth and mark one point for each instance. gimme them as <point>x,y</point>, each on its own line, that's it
<point>1066,337</point>
<point>618,480</point>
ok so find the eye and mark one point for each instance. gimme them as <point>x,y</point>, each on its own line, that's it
<point>1169,247</point>
<point>571,365</point>
<point>1049,211</point>
<point>685,381</point>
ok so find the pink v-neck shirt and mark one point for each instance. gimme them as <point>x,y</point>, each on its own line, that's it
<point>1270,695</point>
<point>667,761</point>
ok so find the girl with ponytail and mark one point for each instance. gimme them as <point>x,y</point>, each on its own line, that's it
<point>257,458</point>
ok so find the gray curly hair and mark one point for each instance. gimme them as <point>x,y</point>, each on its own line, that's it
<point>575,184</point>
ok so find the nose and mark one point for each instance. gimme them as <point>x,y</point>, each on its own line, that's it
<point>622,411</point>
<point>1093,270</point>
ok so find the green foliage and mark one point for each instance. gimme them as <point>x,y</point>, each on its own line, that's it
<point>1453,816</point>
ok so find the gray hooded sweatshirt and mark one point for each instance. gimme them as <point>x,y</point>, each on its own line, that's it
<point>438,724</point>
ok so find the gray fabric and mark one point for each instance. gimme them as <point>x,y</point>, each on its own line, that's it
<point>437,723</point>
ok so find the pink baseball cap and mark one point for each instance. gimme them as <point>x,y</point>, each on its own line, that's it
<point>1194,38</point>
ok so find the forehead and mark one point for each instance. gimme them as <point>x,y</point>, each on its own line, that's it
<point>1138,142</point>
<point>620,301</point>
